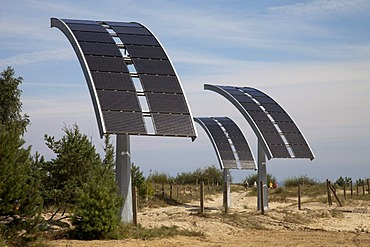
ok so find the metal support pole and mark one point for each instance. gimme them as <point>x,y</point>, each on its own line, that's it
<point>123,176</point>
<point>227,197</point>
<point>262,178</point>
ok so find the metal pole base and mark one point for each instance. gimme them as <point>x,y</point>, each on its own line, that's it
<point>123,176</point>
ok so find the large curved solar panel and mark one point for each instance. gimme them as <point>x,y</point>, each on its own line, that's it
<point>133,85</point>
<point>275,129</point>
<point>232,149</point>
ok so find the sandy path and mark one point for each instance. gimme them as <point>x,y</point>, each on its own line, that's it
<point>283,225</point>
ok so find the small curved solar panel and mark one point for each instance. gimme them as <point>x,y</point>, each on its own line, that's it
<point>280,136</point>
<point>106,50</point>
<point>232,149</point>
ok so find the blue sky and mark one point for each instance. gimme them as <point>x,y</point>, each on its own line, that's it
<point>313,57</point>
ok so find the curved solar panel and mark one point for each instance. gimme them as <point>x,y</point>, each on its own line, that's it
<point>273,126</point>
<point>107,51</point>
<point>232,149</point>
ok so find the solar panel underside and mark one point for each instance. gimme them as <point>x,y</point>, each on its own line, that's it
<point>113,86</point>
<point>281,134</point>
<point>222,129</point>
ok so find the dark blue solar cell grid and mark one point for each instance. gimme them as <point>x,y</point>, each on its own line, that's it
<point>89,28</point>
<point>93,37</point>
<point>173,124</point>
<point>106,64</point>
<point>118,100</point>
<point>112,81</point>
<point>130,30</point>
<point>153,67</point>
<point>160,84</point>
<point>152,52</point>
<point>100,49</point>
<point>130,39</point>
<point>124,122</point>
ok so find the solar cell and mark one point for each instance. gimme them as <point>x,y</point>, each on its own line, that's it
<point>88,22</point>
<point>222,143</point>
<point>266,126</point>
<point>280,117</point>
<point>107,64</point>
<point>107,72</point>
<point>279,151</point>
<point>173,124</point>
<point>152,52</point>
<point>226,155</point>
<point>288,127</point>
<point>265,100</point>
<point>160,84</point>
<point>122,24</point>
<point>253,92</point>
<point>258,116</point>
<point>272,138</point>
<point>154,67</point>
<point>273,107</point>
<point>118,100</point>
<point>100,49</point>
<point>171,103</point>
<point>294,138</point>
<point>130,30</point>
<point>250,106</point>
<point>129,39</point>
<point>302,151</point>
<point>90,28</point>
<point>93,37</point>
<point>124,122</point>
<point>112,81</point>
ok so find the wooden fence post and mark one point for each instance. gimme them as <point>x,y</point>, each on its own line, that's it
<point>261,191</point>
<point>328,192</point>
<point>202,197</point>
<point>162,190</point>
<point>134,205</point>
<point>225,198</point>
<point>344,190</point>
<point>363,187</point>
<point>299,197</point>
<point>368,186</point>
<point>171,191</point>
<point>351,189</point>
<point>357,187</point>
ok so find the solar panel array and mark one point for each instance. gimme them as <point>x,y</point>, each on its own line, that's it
<point>229,142</point>
<point>280,135</point>
<point>127,70</point>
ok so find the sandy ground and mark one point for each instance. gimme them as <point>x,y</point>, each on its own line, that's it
<point>316,224</point>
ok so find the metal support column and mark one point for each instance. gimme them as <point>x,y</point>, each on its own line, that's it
<point>123,176</point>
<point>262,177</point>
<point>227,197</point>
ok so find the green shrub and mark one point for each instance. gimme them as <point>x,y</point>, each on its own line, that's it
<point>302,180</point>
<point>96,211</point>
<point>254,178</point>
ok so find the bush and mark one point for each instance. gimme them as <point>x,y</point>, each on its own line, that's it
<point>209,175</point>
<point>160,177</point>
<point>302,180</point>
<point>254,178</point>
<point>96,211</point>
<point>143,186</point>
<point>343,181</point>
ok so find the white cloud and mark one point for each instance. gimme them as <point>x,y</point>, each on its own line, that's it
<point>320,7</point>
<point>38,57</point>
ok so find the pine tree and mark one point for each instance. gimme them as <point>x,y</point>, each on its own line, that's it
<point>98,202</point>
<point>20,201</point>
<point>72,167</point>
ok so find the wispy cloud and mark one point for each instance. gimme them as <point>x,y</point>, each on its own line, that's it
<point>38,57</point>
<point>320,7</point>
